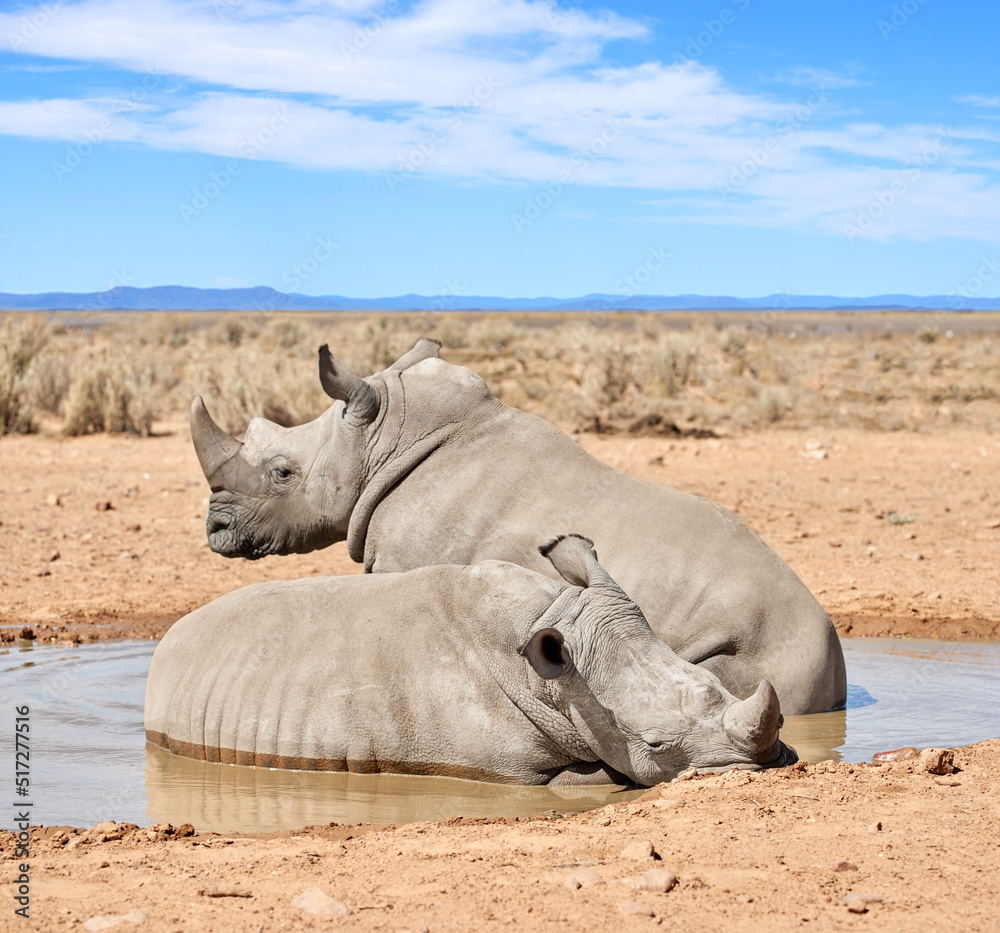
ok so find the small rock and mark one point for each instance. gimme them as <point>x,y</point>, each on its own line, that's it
<point>51,557</point>
<point>858,903</point>
<point>135,526</point>
<point>692,881</point>
<point>947,782</point>
<point>875,827</point>
<point>686,775</point>
<point>53,499</point>
<point>633,909</point>
<point>104,505</point>
<point>104,864</point>
<point>105,922</point>
<point>845,866</point>
<point>744,899</point>
<point>638,851</point>
<point>897,754</point>
<point>584,878</point>
<point>937,760</point>
<point>318,902</point>
<point>26,634</point>
<point>185,829</point>
<point>657,880</point>
<point>44,572</point>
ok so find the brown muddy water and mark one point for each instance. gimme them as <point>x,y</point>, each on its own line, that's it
<point>90,761</point>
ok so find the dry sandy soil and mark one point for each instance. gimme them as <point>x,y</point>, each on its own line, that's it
<point>767,851</point>
<point>897,533</point>
<point>103,537</point>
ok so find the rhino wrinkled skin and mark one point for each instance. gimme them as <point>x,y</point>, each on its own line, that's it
<point>490,671</point>
<point>421,464</point>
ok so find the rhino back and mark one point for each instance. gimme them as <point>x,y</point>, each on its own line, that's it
<point>388,673</point>
<point>708,585</point>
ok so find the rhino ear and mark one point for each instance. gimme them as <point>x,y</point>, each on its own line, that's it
<point>424,349</point>
<point>573,556</point>
<point>340,383</point>
<point>545,652</point>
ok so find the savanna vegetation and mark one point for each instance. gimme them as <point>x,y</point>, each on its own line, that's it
<point>647,373</point>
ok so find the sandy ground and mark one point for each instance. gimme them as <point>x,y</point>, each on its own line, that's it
<point>825,846</point>
<point>104,537</point>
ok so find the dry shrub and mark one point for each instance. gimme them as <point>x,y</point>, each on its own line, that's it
<point>21,342</point>
<point>117,397</point>
<point>676,356</point>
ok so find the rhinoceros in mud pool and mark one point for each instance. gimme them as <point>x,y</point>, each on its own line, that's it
<point>421,464</point>
<point>490,671</point>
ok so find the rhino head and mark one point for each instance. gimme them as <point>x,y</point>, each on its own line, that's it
<point>292,490</point>
<point>645,711</point>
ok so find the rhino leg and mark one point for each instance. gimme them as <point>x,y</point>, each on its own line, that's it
<point>588,773</point>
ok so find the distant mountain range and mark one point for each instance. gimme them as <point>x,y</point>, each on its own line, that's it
<point>262,298</point>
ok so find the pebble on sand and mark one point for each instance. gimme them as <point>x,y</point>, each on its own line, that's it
<point>656,880</point>
<point>318,902</point>
<point>858,903</point>
<point>633,909</point>
<point>639,851</point>
<point>937,760</point>
<point>107,921</point>
<point>897,754</point>
<point>583,879</point>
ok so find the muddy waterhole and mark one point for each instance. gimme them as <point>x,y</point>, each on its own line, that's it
<point>90,761</point>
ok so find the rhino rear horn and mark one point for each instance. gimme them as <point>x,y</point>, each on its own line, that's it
<point>424,349</point>
<point>755,721</point>
<point>213,446</point>
<point>360,398</point>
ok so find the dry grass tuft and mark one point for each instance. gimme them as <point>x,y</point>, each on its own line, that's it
<point>21,342</point>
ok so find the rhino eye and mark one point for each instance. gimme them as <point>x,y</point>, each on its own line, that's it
<point>280,471</point>
<point>656,743</point>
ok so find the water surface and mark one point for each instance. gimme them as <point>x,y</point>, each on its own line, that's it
<point>90,761</point>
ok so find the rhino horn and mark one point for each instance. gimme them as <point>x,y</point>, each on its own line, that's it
<point>340,383</point>
<point>213,446</point>
<point>754,722</point>
<point>424,349</point>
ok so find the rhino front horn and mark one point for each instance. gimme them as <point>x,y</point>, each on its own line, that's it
<point>213,446</point>
<point>755,721</point>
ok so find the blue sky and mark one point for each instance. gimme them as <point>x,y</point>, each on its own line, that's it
<point>506,147</point>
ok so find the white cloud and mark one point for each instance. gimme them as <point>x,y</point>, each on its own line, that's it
<point>499,91</point>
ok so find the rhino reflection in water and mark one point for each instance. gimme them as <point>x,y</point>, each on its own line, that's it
<point>421,464</point>
<point>492,672</point>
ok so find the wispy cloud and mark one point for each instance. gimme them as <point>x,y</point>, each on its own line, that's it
<point>978,100</point>
<point>505,91</point>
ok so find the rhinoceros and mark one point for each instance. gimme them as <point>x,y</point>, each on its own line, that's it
<point>421,464</point>
<point>492,672</point>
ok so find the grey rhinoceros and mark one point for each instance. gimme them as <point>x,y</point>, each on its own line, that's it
<point>490,671</point>
<point>421,464</point>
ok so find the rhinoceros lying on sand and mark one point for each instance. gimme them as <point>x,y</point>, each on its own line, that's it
<point>421,464</point>
<point>492,672</point>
